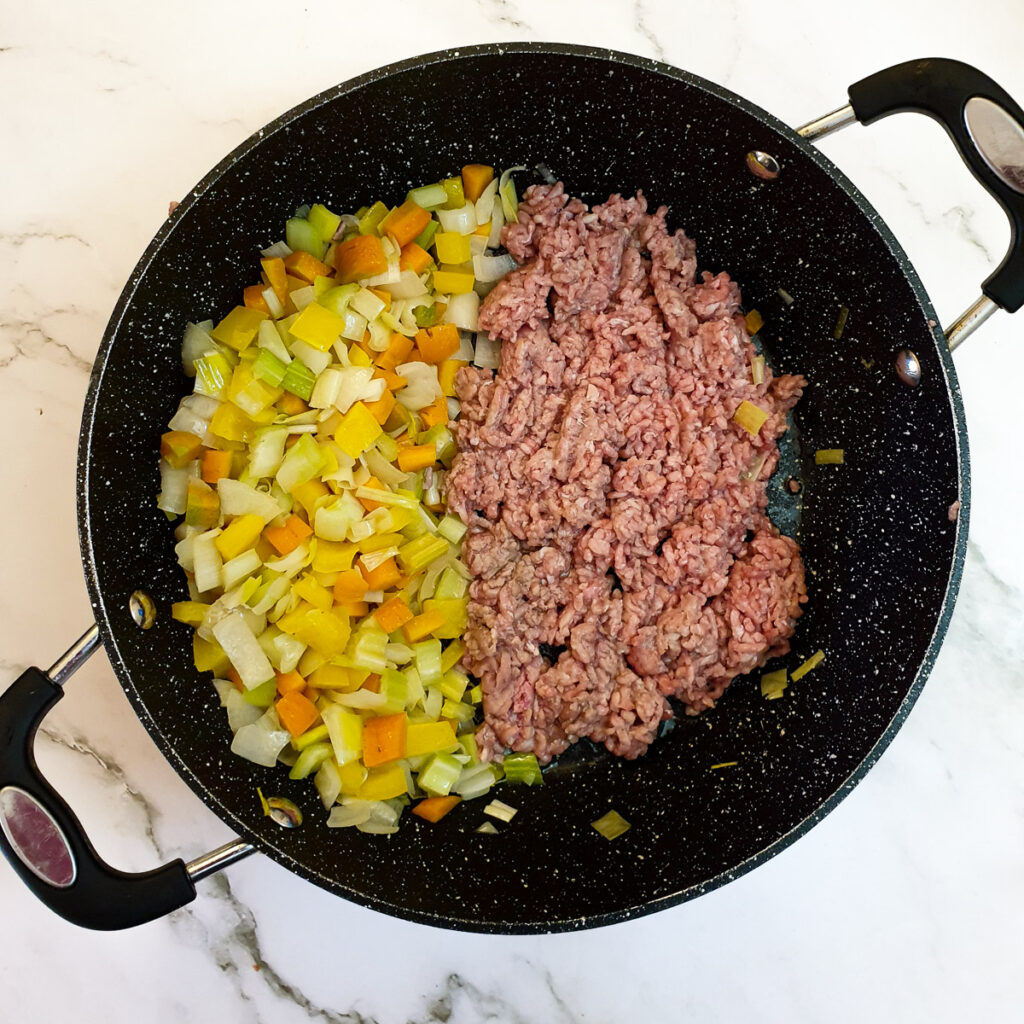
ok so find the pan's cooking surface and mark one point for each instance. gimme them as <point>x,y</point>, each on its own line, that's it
<point>882,555</point>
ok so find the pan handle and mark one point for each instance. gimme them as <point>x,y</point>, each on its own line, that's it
<point>987,128</point>
<point>44,840</point>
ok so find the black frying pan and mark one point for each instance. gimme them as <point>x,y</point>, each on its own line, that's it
<point>876,534</point>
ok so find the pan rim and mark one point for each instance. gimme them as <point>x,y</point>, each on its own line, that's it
<point>101,610</point>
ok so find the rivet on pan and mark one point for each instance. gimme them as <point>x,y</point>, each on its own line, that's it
<point>908,368</point>
<point>283,811</point>
<point>140,604</point>
<point>763,165</point>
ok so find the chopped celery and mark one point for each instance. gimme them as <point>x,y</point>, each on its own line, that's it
<point>429,196</point>
<point>456,196</point>
<point>457,711</point>
<point>440,774</point>
<point>323,222</point>
<point>317,734</point>
<point>425,239</point>
<point>212,371</point>
<point>419,553</point>
<point>269,368</point>
<point>261,696</point>
<point>298,380</point>
<point>425,316</point>
<point>369,222</point>
<point>427,657</point>
<point>300,234</point>
<point>310,759</point>
<point>610,825</point>
<point>522,768</point>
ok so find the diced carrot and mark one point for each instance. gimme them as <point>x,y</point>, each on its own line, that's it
<point>289,682</point>
<point>405,222</point>
<point>355,609</point>
<point>383,739</point>
<point>417,456</point>
<point>438,343</point>
<point>414,258</point>
<point>349,586</point>
<point>393,614</point>
<point>216,465</point>
<point>392,381</point>
<point>275,273</point>
<point>434,808</point>
<point>422,625</point>
<point>383,577</point>
<point>299,527</point>
<point>384,296</point>
<point>297,712</point>
<point>359,256</point>
<point>291,405</point>
<point>252,297</point>
<point>305,265</point>
<point>381,409</point>
<point>475,178</point>
<point>311,693</point>
<point>232,674</point>
<point>179,447</point>
<point>436,412</point>
<point>371,683</point>
<point>294,283</point>
<point>399,347</point>
<point>283,540</point>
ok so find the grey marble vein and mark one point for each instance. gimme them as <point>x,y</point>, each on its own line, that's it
<point>503,12</point>
<point>640,14</point>
<point>960,214</point>
<point>20,238</point>
<point>35,342</point>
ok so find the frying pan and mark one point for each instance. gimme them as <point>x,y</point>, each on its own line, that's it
<point>882,549</point>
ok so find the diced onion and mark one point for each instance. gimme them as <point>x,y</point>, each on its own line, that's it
<point>462,220</point>
<point>239,499</point>
<point>463,311</point>
<point>278,250</point>
<point>261,741</point>
<point>488,352</point>
<point>485,204</point>
<point>408,286</point>
<point>492,268</point>
<point>501,811</point>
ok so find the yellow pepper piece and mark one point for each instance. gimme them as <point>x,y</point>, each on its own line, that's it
<point>454,611</point>
<point>451,654</point>
<point>208,656</point>
<point>333,677</point>
<point>307,494</point>
<point>238,329</point>
<point>383,783</point>
<point>191,613</point>
<point>446,375</point>
<point>453,247</point>
<point>454,279</point>
<point>230,423</point>
<point>326,632</point>
<point>352,776</point>
<point>317,326</point>
<point>357,431</point>
<point>358,357</point>
<point>240,535</point>
<point>309,590</point>
<point>333,556</point>
<point>429,737</point>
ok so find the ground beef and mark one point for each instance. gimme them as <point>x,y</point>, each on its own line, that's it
<point>618,537</point>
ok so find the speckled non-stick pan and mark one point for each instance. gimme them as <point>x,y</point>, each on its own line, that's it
<point>876,532</point>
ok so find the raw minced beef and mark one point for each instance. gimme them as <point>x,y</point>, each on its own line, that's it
<point>618,536</point>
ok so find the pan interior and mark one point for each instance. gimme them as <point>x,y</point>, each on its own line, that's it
<point>881,551</point>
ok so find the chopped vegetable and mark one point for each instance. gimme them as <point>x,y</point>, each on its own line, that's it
<point>724,764</point>
<point>611,825</point>
<point>829,457</point>
<point>837,331</point>
<point>434,808</point>
<point>750,417</point>
<point>501,811</point>
<point>522,768</point>
<point>773,684</point>
<point>811,663</point>
<point>754,322</point>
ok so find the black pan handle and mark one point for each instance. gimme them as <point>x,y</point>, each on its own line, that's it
<point>45,842</point>
<point>987,128</point>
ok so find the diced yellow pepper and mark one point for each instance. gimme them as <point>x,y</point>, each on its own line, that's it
<point>208,656</point>
<point>309,590</point>
<point>317,326</point>
<point>377,541</point>
<point>383,783</point>
<point>333,556</point>
<point>326,632</point>
<point>454,612</point>
<point>307,494</point>
<point>452,247</point>
<point>238,329</point>
<point>451,654</point>
<point>352,776</point>
<point>290,621</point>
<point>230,423</point>
<point>191,613</point>
<point>357,431</point>
<point>454,279</point>
<point>446,375</point>
<point>358,357</point>
<point>429,738</point>
<point>333,677</point>
<point>240,535</point>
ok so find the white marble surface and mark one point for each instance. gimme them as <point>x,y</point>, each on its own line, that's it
<point>905,904</point>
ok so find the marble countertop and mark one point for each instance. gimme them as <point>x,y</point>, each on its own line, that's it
<point>904,904</point>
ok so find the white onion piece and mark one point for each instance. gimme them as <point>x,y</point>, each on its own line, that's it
<point>261,741</point>
<point>454,408</point>
<point>485,204</point>
<point>492,268</point>
<point>422,387</point>
<point>278,249</point>
<point>239,499</point>
<point>463,311</point>
<point>206,562</point>
<point>328,783</point>
<point>462,220</point>
<point>477,245</point>
<point>408,286</point>
<point>488,353</point>
<point>465,350</point>
<point>240,712</point>
<point>173,495</point>
<point>196,343</point>
<point>349,814</point>
<point>390,276</point>
<point>497,223</point>
<point>312,358</point>
<point>243,650</point>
